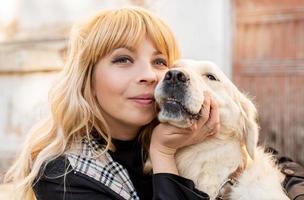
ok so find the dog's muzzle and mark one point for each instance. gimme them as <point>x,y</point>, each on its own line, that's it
<point>173,98</point>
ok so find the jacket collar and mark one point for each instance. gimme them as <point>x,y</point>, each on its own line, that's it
<point>90,158</point>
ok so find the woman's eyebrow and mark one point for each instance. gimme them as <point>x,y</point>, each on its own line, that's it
<point>155,53</point>
<point>126,47</point>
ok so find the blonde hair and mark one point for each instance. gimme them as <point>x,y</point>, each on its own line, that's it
<point>74,109</point>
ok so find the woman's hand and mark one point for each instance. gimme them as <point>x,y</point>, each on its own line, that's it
<point>167,139</point>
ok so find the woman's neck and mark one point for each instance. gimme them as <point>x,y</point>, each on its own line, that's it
<point>122,131</point>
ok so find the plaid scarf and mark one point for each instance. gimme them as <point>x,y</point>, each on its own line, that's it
<point>103,168</point>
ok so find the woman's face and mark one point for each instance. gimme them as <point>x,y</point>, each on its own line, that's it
<point>124,83</point>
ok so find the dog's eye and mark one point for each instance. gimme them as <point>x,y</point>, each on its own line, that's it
<point>211,77</point>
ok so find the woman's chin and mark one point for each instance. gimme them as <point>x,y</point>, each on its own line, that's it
<point>141,120</point>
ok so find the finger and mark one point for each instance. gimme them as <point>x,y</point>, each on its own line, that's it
<point>171,129</point>
<point>214,130</point>
<point>205,111</point>
<point>214,117</point>
<point>212,125</point>
<point>206,131</point>
<point>204,114</point>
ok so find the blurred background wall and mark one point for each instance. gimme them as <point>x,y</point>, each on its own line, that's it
<point>33,39</point>
<point>268,63</point>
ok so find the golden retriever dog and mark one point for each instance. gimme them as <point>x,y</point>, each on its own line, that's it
<point>228,165</point>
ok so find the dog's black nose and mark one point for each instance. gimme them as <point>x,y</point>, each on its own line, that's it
<point>175,76</point>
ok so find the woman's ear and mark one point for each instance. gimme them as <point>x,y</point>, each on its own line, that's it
<point>250,125</point>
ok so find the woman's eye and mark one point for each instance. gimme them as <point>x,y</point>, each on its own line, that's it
<point>160,62</point>
<point>122,60</point>
<point>211,77</point>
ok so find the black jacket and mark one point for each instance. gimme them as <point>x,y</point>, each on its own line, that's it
<point>87,178</point>
<point>294,181</point>
<point>82,187</point>
<point>90,180</point>
<point>294,172</point>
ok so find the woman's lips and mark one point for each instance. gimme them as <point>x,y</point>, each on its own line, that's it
<point>143,100</point>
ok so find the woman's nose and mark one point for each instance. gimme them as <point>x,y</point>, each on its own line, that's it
<point>147,74</point>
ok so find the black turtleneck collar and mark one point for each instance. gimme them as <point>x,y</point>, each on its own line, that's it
<point>125,144</point>
<point>129,154</point>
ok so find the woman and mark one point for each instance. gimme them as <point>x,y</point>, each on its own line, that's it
<point>102,114</point>
<point>91,145</point>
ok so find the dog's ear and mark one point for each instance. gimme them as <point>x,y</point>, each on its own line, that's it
<point>250,125</point>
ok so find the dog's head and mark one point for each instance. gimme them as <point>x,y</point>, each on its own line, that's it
<point>180,96</point>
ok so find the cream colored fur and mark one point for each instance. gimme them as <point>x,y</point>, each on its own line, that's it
<point>209,163</point>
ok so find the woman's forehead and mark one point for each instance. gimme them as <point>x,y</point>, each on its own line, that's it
<point>135,46</point>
